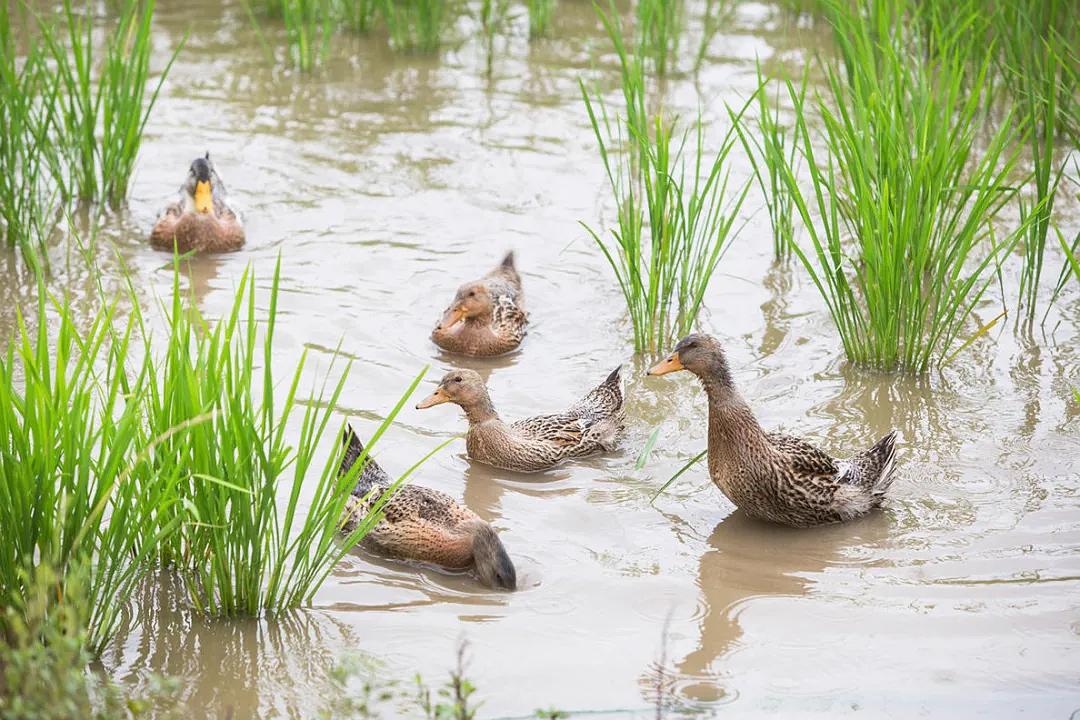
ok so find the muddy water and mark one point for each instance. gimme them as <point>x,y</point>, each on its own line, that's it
<point>388,179</point>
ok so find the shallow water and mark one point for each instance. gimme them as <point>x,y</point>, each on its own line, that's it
<point>386,181</point>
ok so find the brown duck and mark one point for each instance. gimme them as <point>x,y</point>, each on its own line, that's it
<point>591,425</point>
<point>772,476</point>
<point>200,220</point>
<point>486,317</point>
<point>422,524</point>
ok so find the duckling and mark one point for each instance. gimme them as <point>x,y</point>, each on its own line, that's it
<point>422,524</point>
<point>486,317</point>
<point>771,476</point>
<point>591,425</point>
<point>199,220</point>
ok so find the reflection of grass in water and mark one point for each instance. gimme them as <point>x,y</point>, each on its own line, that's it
<point>659,30</point>
<point>901,247</point>
<point>673,221</point>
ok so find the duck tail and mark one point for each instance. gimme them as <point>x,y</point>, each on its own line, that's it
<point>883,456</point>
<point>371,474</point>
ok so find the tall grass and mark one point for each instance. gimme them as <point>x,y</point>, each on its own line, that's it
<point>675,216</point>
<point>239,550</point>
<point>310,24</point>
<point>1036,41</point>
<point>660,25</point>
<point>419,25</point>
<point>103,105</point>
<point>69,440</point>
<point>902,247</point>
<point>114,457</point>
<point>772,148</point>
<point>28,198</point>
<point>540,14</point>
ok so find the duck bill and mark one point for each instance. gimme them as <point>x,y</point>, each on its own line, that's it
<point>436,398</point>
<point>669,365</point>
<point>451,318</point>
<point>204,198</point>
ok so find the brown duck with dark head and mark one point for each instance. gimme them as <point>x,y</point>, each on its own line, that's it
<point>487,316</point>
<point>422,524</point>
<point>772,476</point>
<point>200,220</point>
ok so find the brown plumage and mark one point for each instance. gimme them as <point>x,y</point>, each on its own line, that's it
<point>773,476</point>
<point>422,524</point>
<point>591,425</point>
<point>200,220</point>
<point>486,317</point>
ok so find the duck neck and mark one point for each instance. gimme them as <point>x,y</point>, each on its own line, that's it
<point>480,409</point>
<point>732,424</point>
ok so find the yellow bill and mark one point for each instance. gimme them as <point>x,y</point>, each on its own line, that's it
<point>204,199</point>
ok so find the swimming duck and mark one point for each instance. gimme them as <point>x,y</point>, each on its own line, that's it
<point>591,425</point>
<point>771,476</point>
<point>422,524</point>
<point>199,220</point>
<point>486,317</point>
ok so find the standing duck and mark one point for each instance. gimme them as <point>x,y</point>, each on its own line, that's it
<point>772,476</point>
<point>486,317</point>
<point>591,425</point>
<point>199,220</point>
<point>422,524</point>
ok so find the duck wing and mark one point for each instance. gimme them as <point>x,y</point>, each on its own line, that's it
<point>804,460</point>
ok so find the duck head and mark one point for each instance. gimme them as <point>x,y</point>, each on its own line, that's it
<point>472,300</point>
<point>492,563</point>
<point>700,354</point>
<point>202,186</point>
<point>461,387</point>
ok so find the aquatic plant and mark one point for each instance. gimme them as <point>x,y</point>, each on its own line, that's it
<point>102,115</point>
<point>675,216</point>
<point>237,550</point>
<point>28,201</point>
<point>660,25</point>
<point>358,15</point>
<point>416,24</point>
<point>69,440</point>
<point>1035,41</point>
<point>540,13</point>
<point>778,147</point>
<point>901,244</point>
<point>309,25</point>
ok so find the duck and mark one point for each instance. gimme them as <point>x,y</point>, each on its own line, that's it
<point>200,220</point>
<point>421,524</point>
<point>487,317</point>
<point>772,476</point>
<point>592,425</point>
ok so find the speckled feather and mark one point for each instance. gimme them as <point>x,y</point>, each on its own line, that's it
<point>418,523</point>
<point>779,477</point>
<point>500,333</point>
<point>590,426</point>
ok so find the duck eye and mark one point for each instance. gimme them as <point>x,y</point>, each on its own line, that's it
<point>472,293</point>
<point>457,379</point>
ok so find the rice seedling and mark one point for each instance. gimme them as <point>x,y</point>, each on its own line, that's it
<point>540,13</point>
<point>416,24</point>
<point>902,247</point>
<point>660,25</point>
<point>492,18</point>
<point>102,117</point>
<point>675,217</point>
<point>309,25</point>
<point>69,435</point>
<point>1035,40</point>
<point>777,148</point>
<point>240,550</point>
<point>28,201</point>
<point>357,15</point>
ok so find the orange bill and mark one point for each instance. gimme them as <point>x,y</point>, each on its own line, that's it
<point>436,398</point>
<point>204,199</point>
<point>669,365</point>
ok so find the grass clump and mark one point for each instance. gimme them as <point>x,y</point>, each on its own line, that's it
<point>419,25</point>
<point>660,26</point>
<point>102,113</point>
<point>901,248</point>
<point>309,25</point>
<point>675,216</point>
<point>540,14</point>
